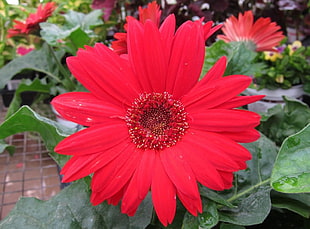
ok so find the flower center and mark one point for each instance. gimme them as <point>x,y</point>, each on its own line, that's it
<point>156,121</point>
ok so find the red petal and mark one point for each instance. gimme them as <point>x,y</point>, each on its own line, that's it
<point>81,166</point>
<point>140,183</point>
<point>86,109</point>
<point>147,55</point>
<point>179,171</point>
<point>204,171</point>
<point>224,89</point>
<point>194,206</point>
<point>105,74</point>
<point>163,194</point>
<point>111,178</point>
<point>222,120</point>
<point>186,59</point>
<point>244,136</point>
<point>94,139</point>
<point>239,101</point>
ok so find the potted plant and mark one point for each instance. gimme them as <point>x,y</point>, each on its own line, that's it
<point>286,72</point>
<point>275,67</point>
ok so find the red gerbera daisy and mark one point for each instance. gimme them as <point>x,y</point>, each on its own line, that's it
<point>152,125</point>
<point>263,34</point>
<point>151,12</point>
<point>32,22</point>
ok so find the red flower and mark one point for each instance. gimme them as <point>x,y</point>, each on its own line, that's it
<point>23,50</point>
<point>32,22</point>
<point>151,12</point>
<point>263,33</point>
<point>152,124</point>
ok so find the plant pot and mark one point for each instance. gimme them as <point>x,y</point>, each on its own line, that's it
<point>8,93</point>
<point>273,97</point>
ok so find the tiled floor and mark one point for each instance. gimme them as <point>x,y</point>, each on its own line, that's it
<point>29,172</point>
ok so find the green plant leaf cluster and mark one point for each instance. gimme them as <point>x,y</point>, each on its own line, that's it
<point>291,69</point>
<point>76,31</point>
<point>279,123</point>
<point>72,209</point>
<point>241,59</point>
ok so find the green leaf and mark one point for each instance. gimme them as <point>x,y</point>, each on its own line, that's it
<point>78,28</point>
<point>206,220</point>
<point>240,58</point>
<point>214,196</point>
<point>26,119</point>
<point>291,172</point>
<point>213,53</point>
<point>79,38</point>
<point>4,146</point>
<point>251,192</point>
<point>251,210</point>
<point>52,33</point>
<point>26,85</point>
<point>37,60</point>
<point>71,209</point>
<point>279,123</point>
<point>298,203</point>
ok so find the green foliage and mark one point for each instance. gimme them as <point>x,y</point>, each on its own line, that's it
<point>38,60</point>
<point>291,172</point>
<point>279,123</point>
<point>288,69</point>
<point>71,209</point>
<point>76,31</point>
<point>26,119</point>
<point>240,58</point>
<point>5,146</point>
<point>26,85</point>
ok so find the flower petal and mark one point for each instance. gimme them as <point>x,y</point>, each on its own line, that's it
<point>139,184</point>
<point>105,74</point>
<point>94,139</point>
<point>204,171</point>
<point>194,206</point>
<point>86,109</point>
<point>186,58</point>
<point>81,166</point>
<point>239,101</point>
<point>163,194</point>
<point>222,120</point>
<point>179,171</point>
<point>112,177</point>
<point>147,55</point>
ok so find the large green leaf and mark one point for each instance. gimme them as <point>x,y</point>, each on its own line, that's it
<point>71,209</point>
<point>291,172</point>
<point>38,60</point>
<point>26,119</point>
<point>295,202</point>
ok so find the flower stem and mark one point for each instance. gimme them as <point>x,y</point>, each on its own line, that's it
<point>234,197</point>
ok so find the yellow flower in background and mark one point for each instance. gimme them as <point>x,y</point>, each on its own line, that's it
<point>280,78</point>
<point>294,46</point>
<point>272,56</point>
